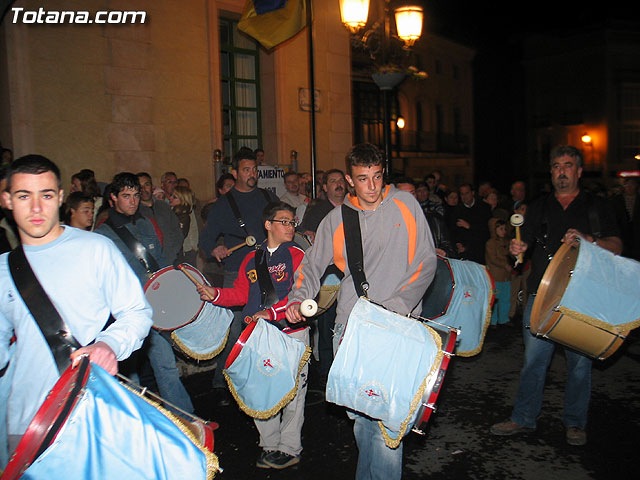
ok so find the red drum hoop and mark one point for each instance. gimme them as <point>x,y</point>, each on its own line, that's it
<point>59,407</point>
<point>237,348</point>
<point>48,420</point>
<point>433,389</point>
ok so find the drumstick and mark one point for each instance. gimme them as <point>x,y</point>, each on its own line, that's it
<point>250,241</point>
<point>182,268</point>
<point>517,220</point>
<point>308,308</point>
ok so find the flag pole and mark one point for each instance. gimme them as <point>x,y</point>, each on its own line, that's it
<point>312,91</point>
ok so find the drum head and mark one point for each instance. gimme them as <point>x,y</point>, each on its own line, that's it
<point>302,241</point>
<point>552,286</point>
<point>173,297</point>
<point>437,298</point>
<point>49,419</point>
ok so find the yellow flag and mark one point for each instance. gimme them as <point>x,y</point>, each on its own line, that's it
<point>275,26</point>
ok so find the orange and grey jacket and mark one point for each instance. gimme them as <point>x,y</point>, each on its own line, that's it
<point>399,255</point>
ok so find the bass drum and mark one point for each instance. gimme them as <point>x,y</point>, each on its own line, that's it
<point>92,426</point>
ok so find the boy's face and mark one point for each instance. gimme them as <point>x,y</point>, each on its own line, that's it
<point>277,232</point>
<point>82,217</point>
<point>501,231</point>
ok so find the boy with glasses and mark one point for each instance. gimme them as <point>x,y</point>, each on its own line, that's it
<point>280,435</point>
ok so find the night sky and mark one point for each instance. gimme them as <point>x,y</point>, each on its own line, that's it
<point>495,30</point>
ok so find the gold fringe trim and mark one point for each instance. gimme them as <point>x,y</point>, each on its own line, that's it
<point>487,322</point>
<point>613,329</point>
<point>417,398</point>
<point>196,355</point>
<point>263,415</point>
<point>213,465</point>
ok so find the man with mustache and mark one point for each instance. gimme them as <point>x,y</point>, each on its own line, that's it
<point>335,188</point>
<point>563,216</point>
<point>222,220</point>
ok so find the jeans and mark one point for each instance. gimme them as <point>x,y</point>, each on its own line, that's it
<point>537,357</point>
<point>502,305</point>
<point>376,461</point>
<point>163,363</point>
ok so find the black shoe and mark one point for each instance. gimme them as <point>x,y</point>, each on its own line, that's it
<point>261,462</point>
<point>280,460</point>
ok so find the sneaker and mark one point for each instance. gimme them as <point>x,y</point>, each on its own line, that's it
<point>576,436</point>
<point>280,460</point>
<point>509,427</point>
<point>262,459</point>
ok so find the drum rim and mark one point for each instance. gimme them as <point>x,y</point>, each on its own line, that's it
<point>539,318</point>
<point>166,269</point>
<point>242,339</point>
<point>68,389</point>
<point>453,287</point>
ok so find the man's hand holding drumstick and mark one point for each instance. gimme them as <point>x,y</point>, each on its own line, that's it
<point>221,252</point>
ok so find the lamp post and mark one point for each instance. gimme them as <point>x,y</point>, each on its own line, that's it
<point>408,23</point>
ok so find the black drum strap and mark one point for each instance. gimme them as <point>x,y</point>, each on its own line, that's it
<point>353,244</point>
<point>236,210</point>
<point>53,328</point>
<point>138,249</point>
<point>267,291</point>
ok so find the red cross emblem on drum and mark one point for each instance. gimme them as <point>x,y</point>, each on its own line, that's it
<point>268,365</point>
<point>468,295</point>
<point>373,392</point>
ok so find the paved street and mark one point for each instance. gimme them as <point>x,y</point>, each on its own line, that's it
<point>477,392</point>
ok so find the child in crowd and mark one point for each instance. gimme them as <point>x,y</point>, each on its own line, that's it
<point>280,435</point>
<point>499,265</point>
<point>79,210</point>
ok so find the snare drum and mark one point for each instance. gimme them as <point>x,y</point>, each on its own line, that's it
<point>198,328</point>
<point>384,367</point>
<point>263,369</point>
<point>92,426</point>
<point>588,300</point>
<point>460,296</point>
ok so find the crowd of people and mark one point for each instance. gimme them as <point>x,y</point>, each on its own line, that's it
<point>152,227</point>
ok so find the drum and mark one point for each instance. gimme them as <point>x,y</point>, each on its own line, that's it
<point>198,328</point>
<point>448,336</point>
<point>263,369</point>
<point>329,288</point>
<point>384,366</point>
<point>91,426</point>
<point>302,240</point>
<point>588,300</point>
<point>460,296</point>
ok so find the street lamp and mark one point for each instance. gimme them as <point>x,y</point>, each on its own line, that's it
<point>377,40</point>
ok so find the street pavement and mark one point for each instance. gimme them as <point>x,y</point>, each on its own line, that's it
<point>477,392</point>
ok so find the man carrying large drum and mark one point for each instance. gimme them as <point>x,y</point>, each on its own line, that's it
<point>83,274</point>
<point>399,262</point>
<point>569,215</point>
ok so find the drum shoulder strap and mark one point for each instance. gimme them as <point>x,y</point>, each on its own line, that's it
<point>53,328</point>
<point>138,249</point>
<point>236,210</point>
<point>267,291</point>
<point>353,245</point>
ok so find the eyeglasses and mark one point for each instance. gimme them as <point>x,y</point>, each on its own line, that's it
<point>286,223</point>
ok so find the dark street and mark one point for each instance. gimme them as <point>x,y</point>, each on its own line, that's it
<point>477,392</point>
